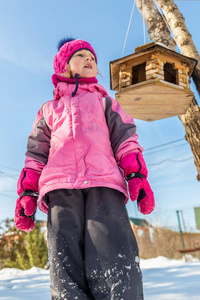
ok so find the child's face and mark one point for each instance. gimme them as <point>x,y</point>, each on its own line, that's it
<point>83,62</point>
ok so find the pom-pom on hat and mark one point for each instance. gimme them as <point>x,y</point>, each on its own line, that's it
<point>66,48</point>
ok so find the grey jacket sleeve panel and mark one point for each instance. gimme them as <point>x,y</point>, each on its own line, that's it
<point>39,142</point>
<point>119,130</point>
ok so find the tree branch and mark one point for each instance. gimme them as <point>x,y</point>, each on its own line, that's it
<point>157,29</point>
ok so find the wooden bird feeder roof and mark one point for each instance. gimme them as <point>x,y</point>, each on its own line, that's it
<point>153,83</point>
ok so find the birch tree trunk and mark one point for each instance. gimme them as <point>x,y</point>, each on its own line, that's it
<point>181,34</point>
<point>157,29</point>
<point>190,120</point>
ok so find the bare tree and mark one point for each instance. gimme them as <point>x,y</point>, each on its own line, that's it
<point>159,32</point>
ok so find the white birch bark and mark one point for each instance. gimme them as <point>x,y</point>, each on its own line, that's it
<point>157,29</point>
<point>190,120</point>
<point>181,34</point>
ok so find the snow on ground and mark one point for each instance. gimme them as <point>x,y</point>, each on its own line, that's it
<point>167,279</point>
<point>164,279</point>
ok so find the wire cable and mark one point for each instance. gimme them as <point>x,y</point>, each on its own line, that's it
<point>9,168</point>
<point>162,145</point>
<point>143,22</point>
<point>161,150</point>
<point>128,28</point>
<point>171,160</point>
<point>164,19</point>
<point>7,195</point>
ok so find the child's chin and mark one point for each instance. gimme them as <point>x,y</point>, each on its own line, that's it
<point>87,75</point>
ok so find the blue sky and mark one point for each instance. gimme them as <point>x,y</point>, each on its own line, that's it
<point>29,33</point>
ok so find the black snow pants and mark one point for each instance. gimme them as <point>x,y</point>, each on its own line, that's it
<point>93,252</point>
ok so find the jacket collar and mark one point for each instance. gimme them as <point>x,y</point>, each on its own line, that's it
<point>57,78</point>
<point>67,85</point>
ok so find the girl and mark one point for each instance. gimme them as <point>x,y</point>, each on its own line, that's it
<point>82,147</point>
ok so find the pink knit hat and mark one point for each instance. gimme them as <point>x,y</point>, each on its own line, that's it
<point>67,48</point>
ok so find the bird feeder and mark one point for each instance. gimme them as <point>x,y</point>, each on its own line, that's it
<point>153,83</point>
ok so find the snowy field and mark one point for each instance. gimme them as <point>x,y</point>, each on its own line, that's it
<point>164,279</point>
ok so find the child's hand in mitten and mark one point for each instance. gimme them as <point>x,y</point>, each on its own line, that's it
<point>135,172</point>
<point>140,190</point>
<point>24,213</point>
<point>27,189</point>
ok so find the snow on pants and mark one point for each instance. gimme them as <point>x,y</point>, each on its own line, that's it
<point>93,252</point>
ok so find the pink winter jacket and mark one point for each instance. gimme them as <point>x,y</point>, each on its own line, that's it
<point>77,142</point>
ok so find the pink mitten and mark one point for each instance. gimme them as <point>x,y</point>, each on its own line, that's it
<point>28,180</point>
<point>27,189</point>
<point>135,172</point>
<point>24,213</point>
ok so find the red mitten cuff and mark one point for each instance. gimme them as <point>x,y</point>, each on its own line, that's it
<point>133,163</point>
<point>28,180</point>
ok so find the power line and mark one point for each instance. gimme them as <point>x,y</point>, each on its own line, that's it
<point>2,174</point>
<point>9,168</point>
<point>162,145</point>
<point>171,160</point>
<point>7,195</point>
<point>145,150</point>
<point>161,150</point>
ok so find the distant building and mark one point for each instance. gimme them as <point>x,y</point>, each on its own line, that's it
<point>143,231</point>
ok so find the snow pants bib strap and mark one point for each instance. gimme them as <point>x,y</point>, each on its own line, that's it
<point>92,249</point>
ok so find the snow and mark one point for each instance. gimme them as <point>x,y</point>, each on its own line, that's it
<point>167,279</point>
<point>164,279</point>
